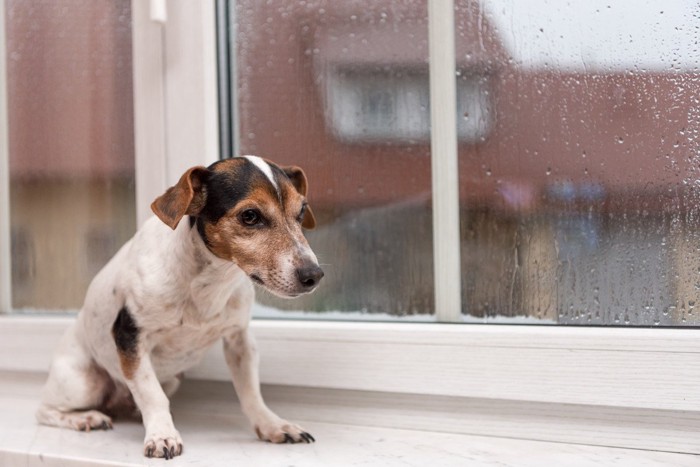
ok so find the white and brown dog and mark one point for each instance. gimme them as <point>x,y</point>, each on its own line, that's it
<point>177,287</point>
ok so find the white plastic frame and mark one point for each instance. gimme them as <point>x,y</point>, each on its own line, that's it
<point>5,257</point>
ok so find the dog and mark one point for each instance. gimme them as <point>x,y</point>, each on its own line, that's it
<point>183,282</point>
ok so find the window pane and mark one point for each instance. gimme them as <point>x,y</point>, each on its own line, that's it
<point>341,89</point>
<point>579,191</point>
<point>71,144</point>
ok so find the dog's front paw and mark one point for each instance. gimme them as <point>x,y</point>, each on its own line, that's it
<point>161,445</point>
<point>281,431</point>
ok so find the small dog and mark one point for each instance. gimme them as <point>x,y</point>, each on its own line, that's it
<point>174,289</point>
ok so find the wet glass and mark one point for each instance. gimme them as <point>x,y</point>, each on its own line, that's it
<point>71,145</point>
<point>341,90</point>
<point>580,196</point>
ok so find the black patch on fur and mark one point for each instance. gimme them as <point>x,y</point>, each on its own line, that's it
<point>192,220</point>
<point>225,189</point>
<point>125,333</point>
<point>202,233</point>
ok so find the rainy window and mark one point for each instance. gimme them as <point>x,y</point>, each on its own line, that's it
<point>581,207</point>
<point>577,139</point>
<point>71,145</point>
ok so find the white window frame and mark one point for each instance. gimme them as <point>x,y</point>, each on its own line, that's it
<point>176,126</point>
<point>5,256</point>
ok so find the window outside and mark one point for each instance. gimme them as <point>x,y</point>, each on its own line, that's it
<point>71,145</point>
<point>577,128</point>
<point>581,205</point>
<point>341,89</point>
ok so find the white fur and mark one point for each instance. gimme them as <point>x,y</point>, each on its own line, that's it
<point>264,168</point>
<point>183,299</point>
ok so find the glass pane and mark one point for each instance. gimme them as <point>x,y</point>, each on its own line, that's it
<point>579,170</point>
<point>71,145</point>
<point>341,89</point>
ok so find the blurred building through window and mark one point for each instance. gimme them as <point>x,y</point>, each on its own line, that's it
<point>71,143</point>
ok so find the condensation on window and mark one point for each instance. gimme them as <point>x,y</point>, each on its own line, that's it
<point>341,89</point>
<point>577,128</point>
<point>71,145</point>
<point>580,201</point>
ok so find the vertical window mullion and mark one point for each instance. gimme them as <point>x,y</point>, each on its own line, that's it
<point>149,109</point>
<point>443,143</point>
<point>5,252</point>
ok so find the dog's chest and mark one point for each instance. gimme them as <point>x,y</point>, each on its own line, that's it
<point>200,321</point>
<point>177,348</point>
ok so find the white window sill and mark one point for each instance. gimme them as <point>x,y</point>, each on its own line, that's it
<point>626,388</point>
<point>216,434</point>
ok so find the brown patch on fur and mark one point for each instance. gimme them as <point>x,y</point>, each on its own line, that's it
<point>298,179</point>
<point>228,165</point>
<point>188,196</point>
<point>129,364</point>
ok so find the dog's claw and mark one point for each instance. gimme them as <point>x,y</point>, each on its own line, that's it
<point>149,451</point>
<point>288,438</point>
<point>307,437</point>
<point>166,453</point>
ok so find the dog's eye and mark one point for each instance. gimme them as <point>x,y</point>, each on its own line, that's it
<point>250,217</point>
<point>300,217</point>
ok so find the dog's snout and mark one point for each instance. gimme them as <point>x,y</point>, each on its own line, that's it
<point>310,276</point>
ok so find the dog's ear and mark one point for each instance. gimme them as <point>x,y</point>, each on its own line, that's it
<point>298,178</point>
<point>188,196</point>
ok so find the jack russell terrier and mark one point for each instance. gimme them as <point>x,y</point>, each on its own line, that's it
<point>178,286</point>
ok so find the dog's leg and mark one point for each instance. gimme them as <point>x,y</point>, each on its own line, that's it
<point>75,385</point>
<point>162,439</point>
<point>242,359</point>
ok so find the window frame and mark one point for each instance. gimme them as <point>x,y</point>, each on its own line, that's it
<point>176,121</point>
<point>5,248</point>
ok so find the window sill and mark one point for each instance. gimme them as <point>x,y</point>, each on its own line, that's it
<point>627,388</point>
<point>215,433</point>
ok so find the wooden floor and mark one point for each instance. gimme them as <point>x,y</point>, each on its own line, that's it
<point>222,438</point>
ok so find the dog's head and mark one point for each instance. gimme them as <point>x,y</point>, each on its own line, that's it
<point>250,211</point>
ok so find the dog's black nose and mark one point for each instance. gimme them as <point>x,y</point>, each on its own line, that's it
<point>310,276</point>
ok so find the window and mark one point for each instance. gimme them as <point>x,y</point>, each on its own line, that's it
<point>567,369</point>
<point>71,146</point>
<point>574,155</point>
<point>342,91</point>
<point>579,208</point>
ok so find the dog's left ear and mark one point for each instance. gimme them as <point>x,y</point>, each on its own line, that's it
<point>298,178</point>
<point>188,196</point>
